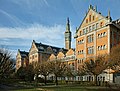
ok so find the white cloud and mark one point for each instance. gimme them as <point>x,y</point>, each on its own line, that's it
<point>21,37</point>
<point>35,31</point>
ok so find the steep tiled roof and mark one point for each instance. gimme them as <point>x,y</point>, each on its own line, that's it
<point>55,50</point>
<point>23,53</point>
<point>117,21</point>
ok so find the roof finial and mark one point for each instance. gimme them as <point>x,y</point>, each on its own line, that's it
<point>34,41</point>
<point>90,6</point>
<point>108,13</point>
<point>95,8</point>
<point>109,17</point>
<point>19,50</point>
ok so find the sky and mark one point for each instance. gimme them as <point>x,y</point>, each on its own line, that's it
<point>22,21</point>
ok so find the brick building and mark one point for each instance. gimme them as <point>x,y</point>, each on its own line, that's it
<point>96,35</point>
<point>22,59</point>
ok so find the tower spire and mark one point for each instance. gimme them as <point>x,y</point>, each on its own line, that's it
<point>68,25</point>
<point>68,20</point>
<point>68,35</point>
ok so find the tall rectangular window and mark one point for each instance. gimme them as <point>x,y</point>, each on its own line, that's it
<point>90,18</point>
<point>97,25</point>
<point>84,31</point>
<point>90,28</point>
<point>93,18</point>
<point>93,27</point>
<point>90,50</point>
<point>90,38</point>
<point>80,33</point>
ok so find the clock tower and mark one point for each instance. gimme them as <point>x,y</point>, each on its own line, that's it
<point>68,35</point>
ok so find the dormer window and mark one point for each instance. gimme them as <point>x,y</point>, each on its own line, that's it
<point>54,50</point>
<point>41,48</point>
<point>49,49</point>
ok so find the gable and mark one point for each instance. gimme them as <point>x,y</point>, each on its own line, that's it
<point>33,48</point>
<point>91,18</point>
<point>52,57</point>
<point>18,54</point>
<point>70,52</point>
<point>60,55</point>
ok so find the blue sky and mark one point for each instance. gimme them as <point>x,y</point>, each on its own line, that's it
<point>21,21</point>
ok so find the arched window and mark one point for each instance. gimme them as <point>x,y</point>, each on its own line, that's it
<point>101,34</point>
<point>101,47</point>
<point>49,49</point>
<point>104,34</point>
<point>101,24</point>
<point>98,35</point>
<point>78,52</point>
<point>104,47</point>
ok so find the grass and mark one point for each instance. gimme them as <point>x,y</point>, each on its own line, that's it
<point>34,89</point>
<point>64,88</point>
<point>24,86</point>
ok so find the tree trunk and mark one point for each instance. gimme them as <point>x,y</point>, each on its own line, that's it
<point>56,81</point>
<point>45,80</point>
<point>95,80</point>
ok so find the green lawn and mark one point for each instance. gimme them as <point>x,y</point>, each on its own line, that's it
<point>65,88</point>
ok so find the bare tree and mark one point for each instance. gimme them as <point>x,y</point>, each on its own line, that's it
<point>115,58</point>
<point>69,72</point>
<point>43,69</point>
<point>26,73</point>
<point>96,66</point>
<point>81,70</point>
<point>58,69</point>
<point>6,63</point>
